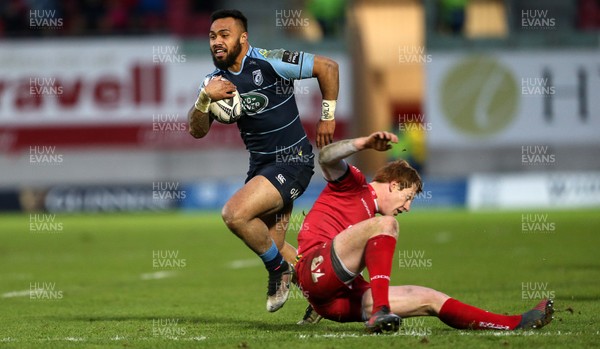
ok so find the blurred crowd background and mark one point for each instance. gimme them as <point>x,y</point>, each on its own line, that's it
<point>482,93</point>
<point>191,18</point>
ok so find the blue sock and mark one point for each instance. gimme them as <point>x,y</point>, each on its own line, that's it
<point>272,258</point>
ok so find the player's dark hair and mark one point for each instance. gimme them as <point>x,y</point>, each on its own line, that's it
<point>401,172</point>
<point>230,13</point>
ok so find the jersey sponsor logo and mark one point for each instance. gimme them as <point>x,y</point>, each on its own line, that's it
<point>254,102</point>
<point>315,270</point>
<point>291,57</point>
<point>257,77</point>
<point>280,178</point>
<point>294,193</point>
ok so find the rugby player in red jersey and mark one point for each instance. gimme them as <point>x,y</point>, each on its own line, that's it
<point>343,234</point>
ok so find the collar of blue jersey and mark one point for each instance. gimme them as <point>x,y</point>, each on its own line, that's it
<point>249,50</point>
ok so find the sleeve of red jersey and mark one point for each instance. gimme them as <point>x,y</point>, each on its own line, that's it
<point>352,180</point>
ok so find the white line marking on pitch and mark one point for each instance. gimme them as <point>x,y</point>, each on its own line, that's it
<point>16,294</point>
<point>244,263</point>
<point>115,338</point>
<point>163,274</point>
<point>74,339</point>
<point>333,335</point>
<point>201,338</point>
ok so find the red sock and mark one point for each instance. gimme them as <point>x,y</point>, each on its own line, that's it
<point>379,255</point>
<point>463,316</point>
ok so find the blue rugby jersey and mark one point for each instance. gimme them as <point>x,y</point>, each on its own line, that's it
<point>271,127</point>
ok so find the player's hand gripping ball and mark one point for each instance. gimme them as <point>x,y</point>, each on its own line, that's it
<point>228,110</point>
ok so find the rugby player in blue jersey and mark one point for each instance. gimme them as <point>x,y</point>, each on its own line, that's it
<point>281,157</point>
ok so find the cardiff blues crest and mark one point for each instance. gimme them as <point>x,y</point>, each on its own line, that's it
<point>257,77</point>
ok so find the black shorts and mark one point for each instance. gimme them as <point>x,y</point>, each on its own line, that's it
<point>290,180</point>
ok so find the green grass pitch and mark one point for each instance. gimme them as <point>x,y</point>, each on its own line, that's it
<point>180,280</point>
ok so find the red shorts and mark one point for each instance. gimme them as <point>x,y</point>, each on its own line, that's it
<point>328,295</point>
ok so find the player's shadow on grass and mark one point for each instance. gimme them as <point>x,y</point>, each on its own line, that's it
<point>213,320</point>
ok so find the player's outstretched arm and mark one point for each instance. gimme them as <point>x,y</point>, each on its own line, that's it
<point>198,118</point>
<point>331,157</point>
<point>326,71</point>
<point>379,141</point>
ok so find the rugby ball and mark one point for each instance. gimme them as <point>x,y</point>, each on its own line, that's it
<point>228,110</point>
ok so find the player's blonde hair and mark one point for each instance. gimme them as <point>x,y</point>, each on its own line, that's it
<point>401,172</point>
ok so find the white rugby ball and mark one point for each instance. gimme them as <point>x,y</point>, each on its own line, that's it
<point>228,110</point>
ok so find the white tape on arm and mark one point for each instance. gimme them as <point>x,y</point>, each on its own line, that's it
<point>203,101</point>
<point>328,110</point>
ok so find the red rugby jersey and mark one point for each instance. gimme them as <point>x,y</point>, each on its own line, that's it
<point>343,203</point>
